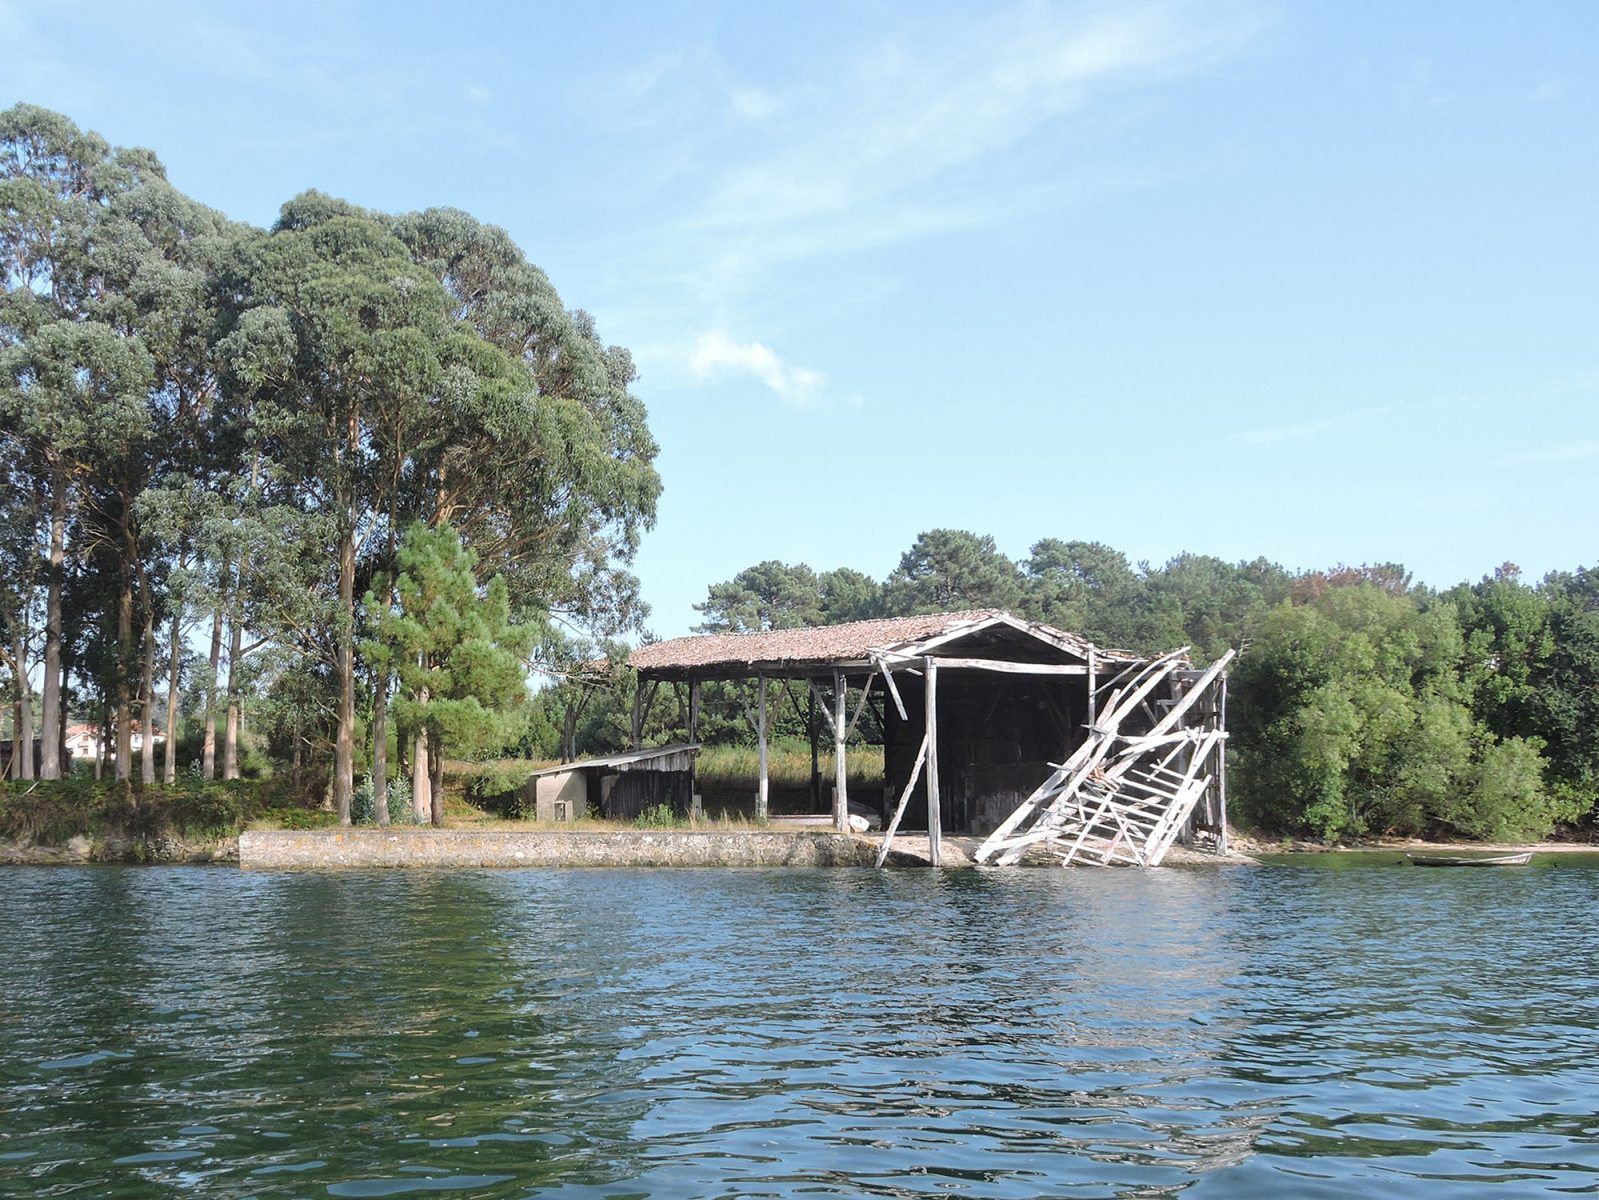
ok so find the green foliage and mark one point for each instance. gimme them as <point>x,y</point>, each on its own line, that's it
<point>364,809</point>
<point>949,570</point>
<point>459,656</point>
<point>498,789</point>
<point>1354,715</point>
<point>660,816</point>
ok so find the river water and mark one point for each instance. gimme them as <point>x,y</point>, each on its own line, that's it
<point>1232,1032</point>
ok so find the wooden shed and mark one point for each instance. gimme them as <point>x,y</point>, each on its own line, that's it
<point>618,787</point>
<point>979,711</point>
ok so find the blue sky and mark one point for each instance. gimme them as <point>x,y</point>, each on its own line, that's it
<point>1310,281</point>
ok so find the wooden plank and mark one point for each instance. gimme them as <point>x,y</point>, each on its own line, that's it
<point>904,799</point>
<point>1093,698</point>
<point>1010,668</point>
<point>1221,769</point>
<point>893,689</point>
<point>861,708</point>
<point>840,763</point>
<point>935,815</point>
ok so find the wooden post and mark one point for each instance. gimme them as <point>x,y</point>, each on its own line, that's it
<point>761,789</point>
<point>1093,686</point>
<point>935,815</point>
<point>1221,767</point>
<point>637,740</point>
<point>840,763</point>
<point>693,740</point>
<point>810,731</point>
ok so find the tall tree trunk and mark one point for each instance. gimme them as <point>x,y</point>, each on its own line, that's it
<point>102,742</point>
<point>230,741</point>
<point>295,757</point>
<point>380,748</point>
<point>169,759</point>
<point>24,763</point>
<point>50,722</point>
<point>421,779</point>
<point>344,736</point>
<point>147,701</point>
<point>65,755</point>
<point>124,667</point>
<point>436,784</point>
<point>208,756</point>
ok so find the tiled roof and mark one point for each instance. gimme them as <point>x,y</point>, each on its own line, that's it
<point>851,642</point>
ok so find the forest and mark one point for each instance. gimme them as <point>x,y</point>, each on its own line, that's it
<point>342,499</point>
<point>368,463</point>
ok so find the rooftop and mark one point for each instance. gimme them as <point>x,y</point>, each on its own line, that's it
<point>853,643</point>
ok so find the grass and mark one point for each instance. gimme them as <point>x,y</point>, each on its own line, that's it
<point>788,766</point>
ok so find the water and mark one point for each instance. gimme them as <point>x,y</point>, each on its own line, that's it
<point>1279,1031</point>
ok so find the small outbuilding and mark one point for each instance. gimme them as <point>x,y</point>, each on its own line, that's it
<point>618,787</point>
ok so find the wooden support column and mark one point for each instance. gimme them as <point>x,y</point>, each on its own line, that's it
<point>840,762</point>
<point>762,788</point>
<point>1221,767</point>
<point>1093,686</point>
<point>935,814</point>
<point>637,730</point>
<point>693,711</point>
<point>810,732</point>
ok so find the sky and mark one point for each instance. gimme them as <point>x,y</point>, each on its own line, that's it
<point>1312,281</point>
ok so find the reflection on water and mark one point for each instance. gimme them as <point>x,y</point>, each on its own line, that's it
<point>1228,1033</point>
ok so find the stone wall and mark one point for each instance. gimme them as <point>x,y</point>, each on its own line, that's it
<point>272,850</point>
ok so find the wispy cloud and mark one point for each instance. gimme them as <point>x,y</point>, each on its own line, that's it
<point>1272,435</point>
<point>1567,452</point>
<point>900,141</point>
<point>717,355</point>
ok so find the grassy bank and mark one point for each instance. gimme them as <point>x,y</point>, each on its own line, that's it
<point>54,812</point>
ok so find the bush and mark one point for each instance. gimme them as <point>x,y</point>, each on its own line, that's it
<point>660,816</point>
<point>499,790</point>
<point>364,809</point>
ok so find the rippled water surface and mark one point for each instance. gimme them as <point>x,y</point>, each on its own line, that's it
<point>1239,1032</point>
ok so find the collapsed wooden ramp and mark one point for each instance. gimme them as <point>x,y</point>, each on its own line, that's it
<point>1129,790</point>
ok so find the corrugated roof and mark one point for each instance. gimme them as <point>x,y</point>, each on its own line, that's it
<point>850,642</point>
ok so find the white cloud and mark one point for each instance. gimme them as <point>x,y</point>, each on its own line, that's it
<point>1567,453</point>
<point>1288,433</point>
<point>900,138</point>
<point>752,104</point>
<point>717,355</point>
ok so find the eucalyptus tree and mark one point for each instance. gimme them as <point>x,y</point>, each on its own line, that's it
<point>338,344</point>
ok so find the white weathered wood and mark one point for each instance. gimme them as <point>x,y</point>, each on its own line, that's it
<point>840,762</point>
<point>935,815</point>
<point>893,689</point>
<point>1093,698</point>
<point>1010,668</point>
<point>762,791</point>
<point>1221,770</point>
<point>866,693</point>
<point>904,799</point>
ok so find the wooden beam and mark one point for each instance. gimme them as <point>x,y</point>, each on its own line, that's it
<point>1221,768</point>
<point>861,708</point>
<point>904,799</point>
<point>694,710</point>
<point>893,689</point>
<point>935,816</point>
<point>761,789</point>
<point>1093,697</point>
<point>840,762</point>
